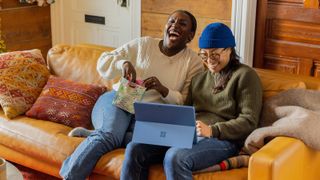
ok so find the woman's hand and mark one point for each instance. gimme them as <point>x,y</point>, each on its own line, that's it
<point>128,71</point>
<point>203,129</point>
<point>154,83</point>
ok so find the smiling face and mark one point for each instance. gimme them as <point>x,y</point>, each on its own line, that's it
<point>178,31</point>
<point>215,59</point>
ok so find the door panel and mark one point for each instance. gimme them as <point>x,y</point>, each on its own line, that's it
<point>117,26</point>
<point>294,31</point>
<point>288,38</point>
<point>317,68</point>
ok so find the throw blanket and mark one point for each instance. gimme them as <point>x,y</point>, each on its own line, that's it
<point>293,113</point>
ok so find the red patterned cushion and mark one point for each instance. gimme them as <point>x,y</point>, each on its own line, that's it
<point>66,102</point>
<point>22,77</point>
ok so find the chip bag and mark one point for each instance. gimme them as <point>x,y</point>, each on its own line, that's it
<point>128,92</point>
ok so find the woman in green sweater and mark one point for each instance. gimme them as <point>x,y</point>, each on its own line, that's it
<point>227,98</point>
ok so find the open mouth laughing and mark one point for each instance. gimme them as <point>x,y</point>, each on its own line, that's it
<point>173,34</point>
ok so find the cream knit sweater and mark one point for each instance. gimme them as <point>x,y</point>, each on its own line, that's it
<point>174,72</point>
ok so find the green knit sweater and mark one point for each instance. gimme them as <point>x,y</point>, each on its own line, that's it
<point>232,113</point>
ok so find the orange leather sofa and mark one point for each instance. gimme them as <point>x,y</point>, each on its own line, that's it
<point>43,145</point>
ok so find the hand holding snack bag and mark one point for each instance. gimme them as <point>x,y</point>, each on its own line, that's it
<point>128,92</point>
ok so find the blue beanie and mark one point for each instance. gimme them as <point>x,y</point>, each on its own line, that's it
<point>216,35</point>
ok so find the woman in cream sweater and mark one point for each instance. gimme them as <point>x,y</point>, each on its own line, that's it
<point>166,67</point>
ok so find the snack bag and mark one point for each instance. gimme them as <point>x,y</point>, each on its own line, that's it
<point>127,94</point>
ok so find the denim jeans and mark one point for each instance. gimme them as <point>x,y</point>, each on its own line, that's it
<point>178,163</point>
<point>111,124</point>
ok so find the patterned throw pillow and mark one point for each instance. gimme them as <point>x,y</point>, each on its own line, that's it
<point>22,77</point>
<point>66,102</point>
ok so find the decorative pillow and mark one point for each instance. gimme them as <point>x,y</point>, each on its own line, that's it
<point>66,102</point>
<point>22,77</point>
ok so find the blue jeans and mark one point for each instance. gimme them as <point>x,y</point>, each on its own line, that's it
<point>111,124</point>
<point>178,163</point>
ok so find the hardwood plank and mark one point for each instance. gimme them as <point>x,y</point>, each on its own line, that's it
<point>152,24</point>
<point>27,28</point>
<point>156,12</point>
<point>288,2</point>
<point>37,44</point>
<point>286,48</point>
<point>294,31</point>
<point>259,46</point>
<point>7,4</point>
<point>218,9</point>
<point>293,13</point>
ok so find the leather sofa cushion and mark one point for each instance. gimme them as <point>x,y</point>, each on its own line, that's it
<point>38,138</point>
<point>48,142</point>
<point>77,63</point>
<point>273,83</point>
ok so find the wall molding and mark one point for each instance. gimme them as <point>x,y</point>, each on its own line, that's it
<point>135,6</point>
<point>243,21</point>
<point>56,25</point>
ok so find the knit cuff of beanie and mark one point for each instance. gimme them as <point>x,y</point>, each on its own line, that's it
<point>216,43</point>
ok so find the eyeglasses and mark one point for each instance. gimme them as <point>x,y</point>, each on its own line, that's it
<point>212,55</point>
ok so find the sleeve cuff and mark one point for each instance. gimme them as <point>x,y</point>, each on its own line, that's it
<point>215,131</point>
<point>171,98</point>
<point>119,64</point>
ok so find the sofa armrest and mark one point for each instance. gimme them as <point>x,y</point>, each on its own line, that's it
<point>284,158</point>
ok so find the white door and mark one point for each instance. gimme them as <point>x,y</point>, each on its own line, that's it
<point>103,22</point>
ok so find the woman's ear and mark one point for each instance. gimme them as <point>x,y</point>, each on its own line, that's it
<point>191,36</point>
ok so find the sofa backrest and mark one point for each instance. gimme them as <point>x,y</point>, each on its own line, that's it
<point>274,82</point>
<point>78,63</point>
